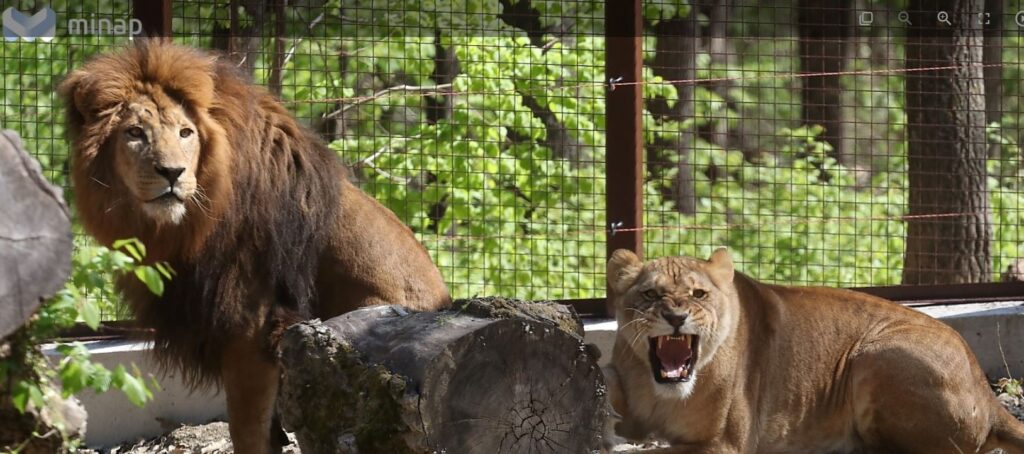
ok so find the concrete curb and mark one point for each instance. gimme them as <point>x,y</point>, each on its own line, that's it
<point>993,330</point>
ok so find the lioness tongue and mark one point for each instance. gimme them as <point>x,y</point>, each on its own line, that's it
<point>673,352</point>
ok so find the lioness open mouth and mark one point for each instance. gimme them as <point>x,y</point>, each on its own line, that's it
<point>673,357</point>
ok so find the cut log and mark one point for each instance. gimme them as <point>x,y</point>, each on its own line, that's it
<point>35,236</point>
<point>35,260</point>
<point>487,376</point>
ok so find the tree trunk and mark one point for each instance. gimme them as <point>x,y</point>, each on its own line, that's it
<point>274,79</point>
<point>675,54</point>
<point>35,236</point>
<point>241,43</point>
<point>561,140</point>
<point>446,67</point>
<point>719,48</point>
<point>490,375</point>
<point>992,56</point>
<point>946,148</point>
<point>824,27</point>
<point>558,138</point>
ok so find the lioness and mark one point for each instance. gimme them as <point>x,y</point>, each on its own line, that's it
<point>714,361</point>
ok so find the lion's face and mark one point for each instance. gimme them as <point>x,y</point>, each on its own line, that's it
<point>673,313</point>
<point>156,152</point>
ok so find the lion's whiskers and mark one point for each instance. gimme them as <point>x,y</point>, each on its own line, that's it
<point>642,325</point>
<point>113,205</point>
<point>635,320</point>
<point>199,197</point>
<point>639,333</point>
<point>100,182</point>
<point>638,311</point>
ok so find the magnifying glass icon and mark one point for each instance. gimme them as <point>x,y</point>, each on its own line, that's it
<point>944,18</point>
<point>904,17</point>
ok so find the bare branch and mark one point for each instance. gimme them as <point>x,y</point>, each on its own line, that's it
<point>443,89</point>
<point>291,51</point>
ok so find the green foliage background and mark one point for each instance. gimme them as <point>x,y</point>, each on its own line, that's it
<point>519,221</point>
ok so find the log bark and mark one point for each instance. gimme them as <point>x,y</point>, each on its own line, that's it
<point>35,236</point>
<point>489,376</point>
<point>35,260</point>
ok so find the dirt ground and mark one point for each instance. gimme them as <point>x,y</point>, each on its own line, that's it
<point>213,438</point>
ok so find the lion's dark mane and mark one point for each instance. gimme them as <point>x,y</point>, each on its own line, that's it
<point>254,263</point>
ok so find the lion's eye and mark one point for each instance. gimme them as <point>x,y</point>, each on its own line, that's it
<point>185,133</point>
<point>135,132</point>
<point>651,295</point>
<point>698,293</point>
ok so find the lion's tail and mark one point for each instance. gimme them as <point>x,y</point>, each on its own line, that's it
<point>1007,433</point>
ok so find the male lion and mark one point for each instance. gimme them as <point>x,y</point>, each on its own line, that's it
<point>715,362</point>
<point>253,212</point>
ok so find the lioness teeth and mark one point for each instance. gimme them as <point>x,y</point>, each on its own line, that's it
<point>681,372</point>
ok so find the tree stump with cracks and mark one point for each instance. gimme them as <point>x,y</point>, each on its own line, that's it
<point>487,376</point>
<point>35,260</point>
<point>35,236</point>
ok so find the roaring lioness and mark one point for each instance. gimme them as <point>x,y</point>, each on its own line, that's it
<point>714,361</point>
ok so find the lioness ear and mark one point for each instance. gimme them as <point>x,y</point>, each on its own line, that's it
<point>623,268</point>
<point>720,267</point>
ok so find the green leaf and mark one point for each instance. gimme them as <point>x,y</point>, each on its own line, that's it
<point>165,270</point>
<point>20,395</point>
<point>90,312</point>
<point>151,277</point>
<point>72,377</point>
<point>133,246</point>
<point>133,387</point>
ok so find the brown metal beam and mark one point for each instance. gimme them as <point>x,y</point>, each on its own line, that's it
<point>624,108</point>
<point>155,16</point>
<point>948,293</point>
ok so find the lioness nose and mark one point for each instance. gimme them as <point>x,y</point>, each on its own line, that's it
<point>170,173</point>
<point>676,320</point>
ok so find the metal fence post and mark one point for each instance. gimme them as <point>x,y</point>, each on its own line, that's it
<point>155,16</point>
<point>624,109</point>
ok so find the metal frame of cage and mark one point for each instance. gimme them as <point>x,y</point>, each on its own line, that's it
<point>624,163</point>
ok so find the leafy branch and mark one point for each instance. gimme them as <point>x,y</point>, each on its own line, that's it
<point>32,379</point>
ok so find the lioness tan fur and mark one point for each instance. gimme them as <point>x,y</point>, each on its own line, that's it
<point>777,369</point>
<point>254,213</point>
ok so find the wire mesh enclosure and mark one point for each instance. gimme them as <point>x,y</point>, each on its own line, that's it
<point>836,143</point>
<point>825,142</point>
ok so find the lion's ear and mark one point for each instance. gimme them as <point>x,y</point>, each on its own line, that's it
<point>74,91</point>
<point>623,269</point>
<point>720,267</point>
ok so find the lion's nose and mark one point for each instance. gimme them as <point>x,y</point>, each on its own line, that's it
<point>676,320</point>
<point>170,173</point>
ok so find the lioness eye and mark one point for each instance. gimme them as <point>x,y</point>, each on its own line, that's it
<point>699,294</point>
<point>651,295</point>
<point>185,132</point>
<point>135,132</point>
